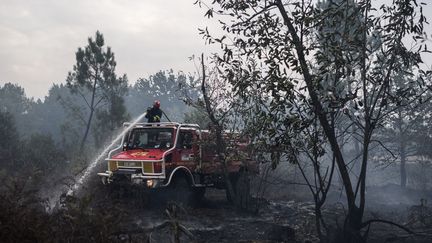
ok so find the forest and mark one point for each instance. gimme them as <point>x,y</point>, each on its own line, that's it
<point>334,98</point>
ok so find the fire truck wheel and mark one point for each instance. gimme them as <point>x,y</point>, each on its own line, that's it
<point>198,193</point>
<point>181,190</point>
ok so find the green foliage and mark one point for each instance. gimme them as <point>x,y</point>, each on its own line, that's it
<point>9,139</point>
<point>423,140</point>
<point>42,153</point>
<point>94,79</point>
<point>36,154</point>
<point>13,99</point>
<point>404,131</point>
<point>113,114</point>
<point>94,64</point>
<point>196,116</point>
<point>296,64</point>
<point>45,116</point>
<point>334,61</point>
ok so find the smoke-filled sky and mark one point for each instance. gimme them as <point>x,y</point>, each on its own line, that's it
<point>39,38</point>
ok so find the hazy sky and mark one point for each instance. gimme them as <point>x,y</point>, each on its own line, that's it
<point>39,38</point>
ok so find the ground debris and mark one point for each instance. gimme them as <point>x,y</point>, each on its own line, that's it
<point>420,216</point>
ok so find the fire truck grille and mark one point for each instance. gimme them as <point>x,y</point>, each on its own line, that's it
<point>145,167</point>
<point>148,168</point>
<point>129,164</point>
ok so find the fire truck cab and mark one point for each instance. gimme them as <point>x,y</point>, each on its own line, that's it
<point>168,154</point>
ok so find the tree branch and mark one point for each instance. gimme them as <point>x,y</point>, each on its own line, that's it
<point>387,222</point>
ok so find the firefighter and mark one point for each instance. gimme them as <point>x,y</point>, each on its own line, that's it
<point>154,114</point>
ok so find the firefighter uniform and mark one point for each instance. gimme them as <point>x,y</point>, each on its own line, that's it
<point>154,114</point>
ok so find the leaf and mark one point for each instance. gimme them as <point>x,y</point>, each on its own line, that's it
<point>209,13</point>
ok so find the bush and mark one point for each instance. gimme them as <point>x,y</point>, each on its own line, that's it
<point>24,218</point>
<point>42,154</point>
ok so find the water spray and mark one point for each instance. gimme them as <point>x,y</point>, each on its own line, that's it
<point>90,168</point>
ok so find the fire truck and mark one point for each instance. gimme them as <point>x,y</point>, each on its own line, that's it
<point>178,156</point>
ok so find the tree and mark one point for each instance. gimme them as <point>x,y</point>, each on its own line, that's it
<point>338,72</point>
<point>47,116</point>
<point>94,75</point>
<point>9,140</point>
<point>217,103</point>
<point>197,116</point>
<point>163,86</point>
<point>14,101</point>
<point>402,129</point>
<point>42,154</point>
<point>115,114</point>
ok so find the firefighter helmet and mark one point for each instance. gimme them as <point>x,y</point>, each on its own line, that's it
<point>156,104</point>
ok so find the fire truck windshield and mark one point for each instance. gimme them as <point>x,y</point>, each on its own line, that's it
<point>150,138</point>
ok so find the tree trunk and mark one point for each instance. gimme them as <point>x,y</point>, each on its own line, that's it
<point>87,130</point>
<point>318,217</point>
<point>352,226</point>
<point>403,168</point>
<point>220,143</point>
<point>92,108</point>
<point>319,110</point>
<point>403,173</point>
<point>402,149</point>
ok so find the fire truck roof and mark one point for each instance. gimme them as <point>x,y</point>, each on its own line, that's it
<point>163,124</point>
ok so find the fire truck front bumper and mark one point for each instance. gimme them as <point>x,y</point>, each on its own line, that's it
<point>109,177</point>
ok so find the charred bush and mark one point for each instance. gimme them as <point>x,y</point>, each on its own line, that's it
<point>22,214</point>
<point>25,217</point>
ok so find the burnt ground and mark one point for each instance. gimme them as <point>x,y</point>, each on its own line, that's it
<point>215,220</point>
<point>286,215</point>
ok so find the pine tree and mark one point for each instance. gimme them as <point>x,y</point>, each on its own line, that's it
<point>94,78</point>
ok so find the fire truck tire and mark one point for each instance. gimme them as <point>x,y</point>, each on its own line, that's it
<point>198,193</point>
<point>181,190</point>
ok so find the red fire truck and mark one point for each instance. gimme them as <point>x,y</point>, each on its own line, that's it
<point>177,156</point>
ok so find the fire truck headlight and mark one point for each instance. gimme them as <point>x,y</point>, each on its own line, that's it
<point>150,183</point>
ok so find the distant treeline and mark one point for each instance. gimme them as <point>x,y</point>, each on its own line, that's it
<point>56,124</point>
<point>61,114</point>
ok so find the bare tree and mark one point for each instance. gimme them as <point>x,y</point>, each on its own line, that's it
<point>218,103</point>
